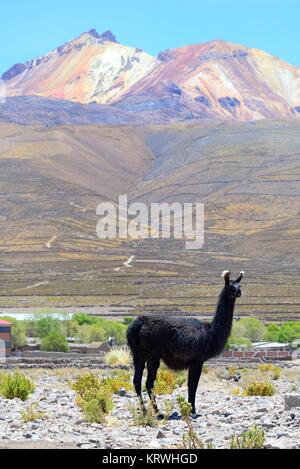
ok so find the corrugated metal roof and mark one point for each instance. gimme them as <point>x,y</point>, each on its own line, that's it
<point>5,323</point>
<point>266,345</point>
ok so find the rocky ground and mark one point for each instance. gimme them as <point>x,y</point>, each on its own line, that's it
<point>221,415</point>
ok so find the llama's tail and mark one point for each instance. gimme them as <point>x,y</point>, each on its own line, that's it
<point>133,333</point>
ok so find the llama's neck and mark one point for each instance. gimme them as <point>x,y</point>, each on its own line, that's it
<point>222,323</point>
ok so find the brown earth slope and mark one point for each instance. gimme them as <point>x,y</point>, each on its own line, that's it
<point>51,180</point>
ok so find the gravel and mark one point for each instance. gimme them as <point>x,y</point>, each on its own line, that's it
<point>221,415</point>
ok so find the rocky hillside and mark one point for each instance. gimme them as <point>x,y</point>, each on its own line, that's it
<point>53,178</point>
<point>31,110</point>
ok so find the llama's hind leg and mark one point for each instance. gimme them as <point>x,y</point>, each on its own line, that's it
<point>152,366</point>
<point>139,366</point>
<point>194,375</point>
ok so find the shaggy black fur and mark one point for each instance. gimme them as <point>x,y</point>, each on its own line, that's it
<point>181,343</point>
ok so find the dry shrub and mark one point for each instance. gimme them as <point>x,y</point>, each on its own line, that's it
<point>118,357</point>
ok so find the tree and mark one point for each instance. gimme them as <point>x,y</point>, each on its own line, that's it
<point>283,333</point>
<point>272,333</point>
<point>30,327</point>
<point>249,328</point>
<point>70,328</point>
<point>18,335</point>
<point>91,333</point>
<point>46,325</point>
<point>96,329</point>
<point>84,319</point>
<point>254,329</point>
<point>55,341</point>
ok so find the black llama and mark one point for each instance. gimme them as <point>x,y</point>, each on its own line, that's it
<point>181,343</point>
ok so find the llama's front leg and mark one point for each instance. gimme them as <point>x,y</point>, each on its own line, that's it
<point>139,366</point>
<point>194,375</point>
<point>153,366</point>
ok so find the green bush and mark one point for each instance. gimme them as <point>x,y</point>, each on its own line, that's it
<point>190,439</point>
<point>143,418</point>
<point>248,328</point>
<point>94,397</point>
<point>55,342</point>
<point>185,407</point>
<point>96,407</point>
<point>254,438</point>
<point>18,335</point>
<point>95,329</point>
<point>15,385</point>
<point>32,413</point>
<point>114,384</point>
<point>114,329</point>
<point>284,333</point>
<point>70,328</point>
<point>238,342</point>
<point>90,333</point>
<point>47,325</point>
<point>273,370</point>
<point>253,328</point>
<point>83,319</point>
<point>85,383</point>
<point>128,320</point>
<point>30,327</point>
<point>180,378</point>
<point>260,388</point>
<point>96,403</point>
<point>165,382</point>
<point>272,333</point>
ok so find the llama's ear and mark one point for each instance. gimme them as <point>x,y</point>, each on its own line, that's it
<point>240,278</point>
<point>226,275</point>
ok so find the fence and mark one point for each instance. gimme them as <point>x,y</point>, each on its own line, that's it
<point>260,354</point>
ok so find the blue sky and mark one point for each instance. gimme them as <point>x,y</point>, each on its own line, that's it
<point>31,28</point>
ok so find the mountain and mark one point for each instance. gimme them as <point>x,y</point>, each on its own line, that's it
<point>90,68</point>
<point>222,80</point>
<point>53,178</point>
<point>215,80</point>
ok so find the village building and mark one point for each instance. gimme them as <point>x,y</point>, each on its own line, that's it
<point>5,338</point>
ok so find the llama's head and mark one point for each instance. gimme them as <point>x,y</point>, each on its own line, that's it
<point>233,287</point>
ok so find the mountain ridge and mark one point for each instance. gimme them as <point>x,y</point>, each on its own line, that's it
<point>214,80</point>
